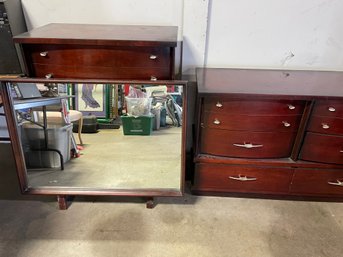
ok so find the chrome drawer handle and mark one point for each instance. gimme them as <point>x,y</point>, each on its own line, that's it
<point>286,124</point>
<point>153,57</point>
<point>216,121</point>
<point>341,151</point>
<point>48,76</point>
<point>248,145</point>
<point>152,78</point>
<point>338,183</point>
<point>219,105</point>
<point>331,109</point>
<point>43,54</point>
<point>291,107</point>
<point>325,126</point>
<point>242,178</point>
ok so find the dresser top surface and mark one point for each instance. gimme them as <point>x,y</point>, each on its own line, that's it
<point>135,35</point>
<point>270,82</point>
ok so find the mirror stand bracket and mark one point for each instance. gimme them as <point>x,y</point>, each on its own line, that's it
<point>150,202</point>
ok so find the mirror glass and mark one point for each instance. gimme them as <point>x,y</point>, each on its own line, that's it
<point>131,135</point>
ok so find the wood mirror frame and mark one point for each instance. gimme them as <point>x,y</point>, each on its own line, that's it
<point>63,192</point>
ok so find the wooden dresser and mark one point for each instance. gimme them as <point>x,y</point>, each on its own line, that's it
<point>269,132</point>
<point>100,51</point>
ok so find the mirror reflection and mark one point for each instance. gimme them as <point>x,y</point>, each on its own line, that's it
<point>100,136</point>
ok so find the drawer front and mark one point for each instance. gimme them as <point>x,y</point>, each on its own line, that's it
<point>318,182</point>
<point>246,144</point>
<point>99,55</point>
<point>100,72</point>
<point>326,125</point>
<point>330,108</point>
<point>322,148</point>
<point>253,107</point>
<point>286,123</point>
<point>234,178</point>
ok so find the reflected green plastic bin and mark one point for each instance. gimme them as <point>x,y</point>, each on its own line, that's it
<point>141,125</point>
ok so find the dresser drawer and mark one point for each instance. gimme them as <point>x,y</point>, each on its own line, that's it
<point>246,144</point>
<point>106,56</point>
<point>286,123</point>
<point>317,182</point>
<point>99,72</point>
<point>330,108</point>
<point>326,125</point>
<point>234,178</point>
<point>253,107</point>
<point>322,148</point>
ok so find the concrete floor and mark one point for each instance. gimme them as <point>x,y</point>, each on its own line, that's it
<point>112,160</point>
<point>188,226</point>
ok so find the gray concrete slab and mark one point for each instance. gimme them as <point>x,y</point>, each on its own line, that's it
<point>187,226</point>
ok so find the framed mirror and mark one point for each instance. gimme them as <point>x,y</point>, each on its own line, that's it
<point>136,150</point>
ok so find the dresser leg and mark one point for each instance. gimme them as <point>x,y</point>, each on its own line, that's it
<point>150,203</point>
<point>62,202</point>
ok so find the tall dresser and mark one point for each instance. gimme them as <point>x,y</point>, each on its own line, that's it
<point>269,132</point>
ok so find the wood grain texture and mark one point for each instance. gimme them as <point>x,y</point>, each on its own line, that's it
<point>326,125</point>
<point>231,105</point>
<point>270,82</point>
<point>92,34</point>
<point>284,123</point>
<point>322,148</point>
<point>219,177</point>
<point>314,181</point>
<point>221,143</point>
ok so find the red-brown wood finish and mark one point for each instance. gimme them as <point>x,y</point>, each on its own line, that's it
<point>326,125</point>
<point>246,107</point>
<point>232,178</point>
<point>99,55</point>
<point>283,123</point>
<point>329,108</point>
<point>252,107</point>
<point>321,182</point>
<point>100,51</point>
<point>322,148</point>
<point>246,144</point>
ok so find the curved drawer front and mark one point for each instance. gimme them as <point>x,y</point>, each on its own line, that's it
<point>286,123</point>
<point>232,178</point>
<point>322,148</point>
<point>330,108</point>
<point>63,71</point>
<point>253,107</point>
<point>99,55</point>
<point>246,144</point>
<point>317,182</point>
<point>326,125</point>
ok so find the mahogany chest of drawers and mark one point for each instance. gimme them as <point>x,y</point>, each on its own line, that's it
<point>100,51</point>
<point>269,132</point>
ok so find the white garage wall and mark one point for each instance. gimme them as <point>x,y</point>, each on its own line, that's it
<point>292,34</point>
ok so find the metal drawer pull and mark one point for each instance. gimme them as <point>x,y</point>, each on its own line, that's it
<point>48,76</point>
<point>219,105</point>
<point>286,124</point>
<point>216,121</point>
<point>43,54</point>
<point>152,78</point>
<point>341,151</point>
<point>291,107</point>
<point>242,178</point>
<point>153,57</point>
<point>325,126</point>
<point>247,145</point>
<point>338,183</point>
<point>331,109</point>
